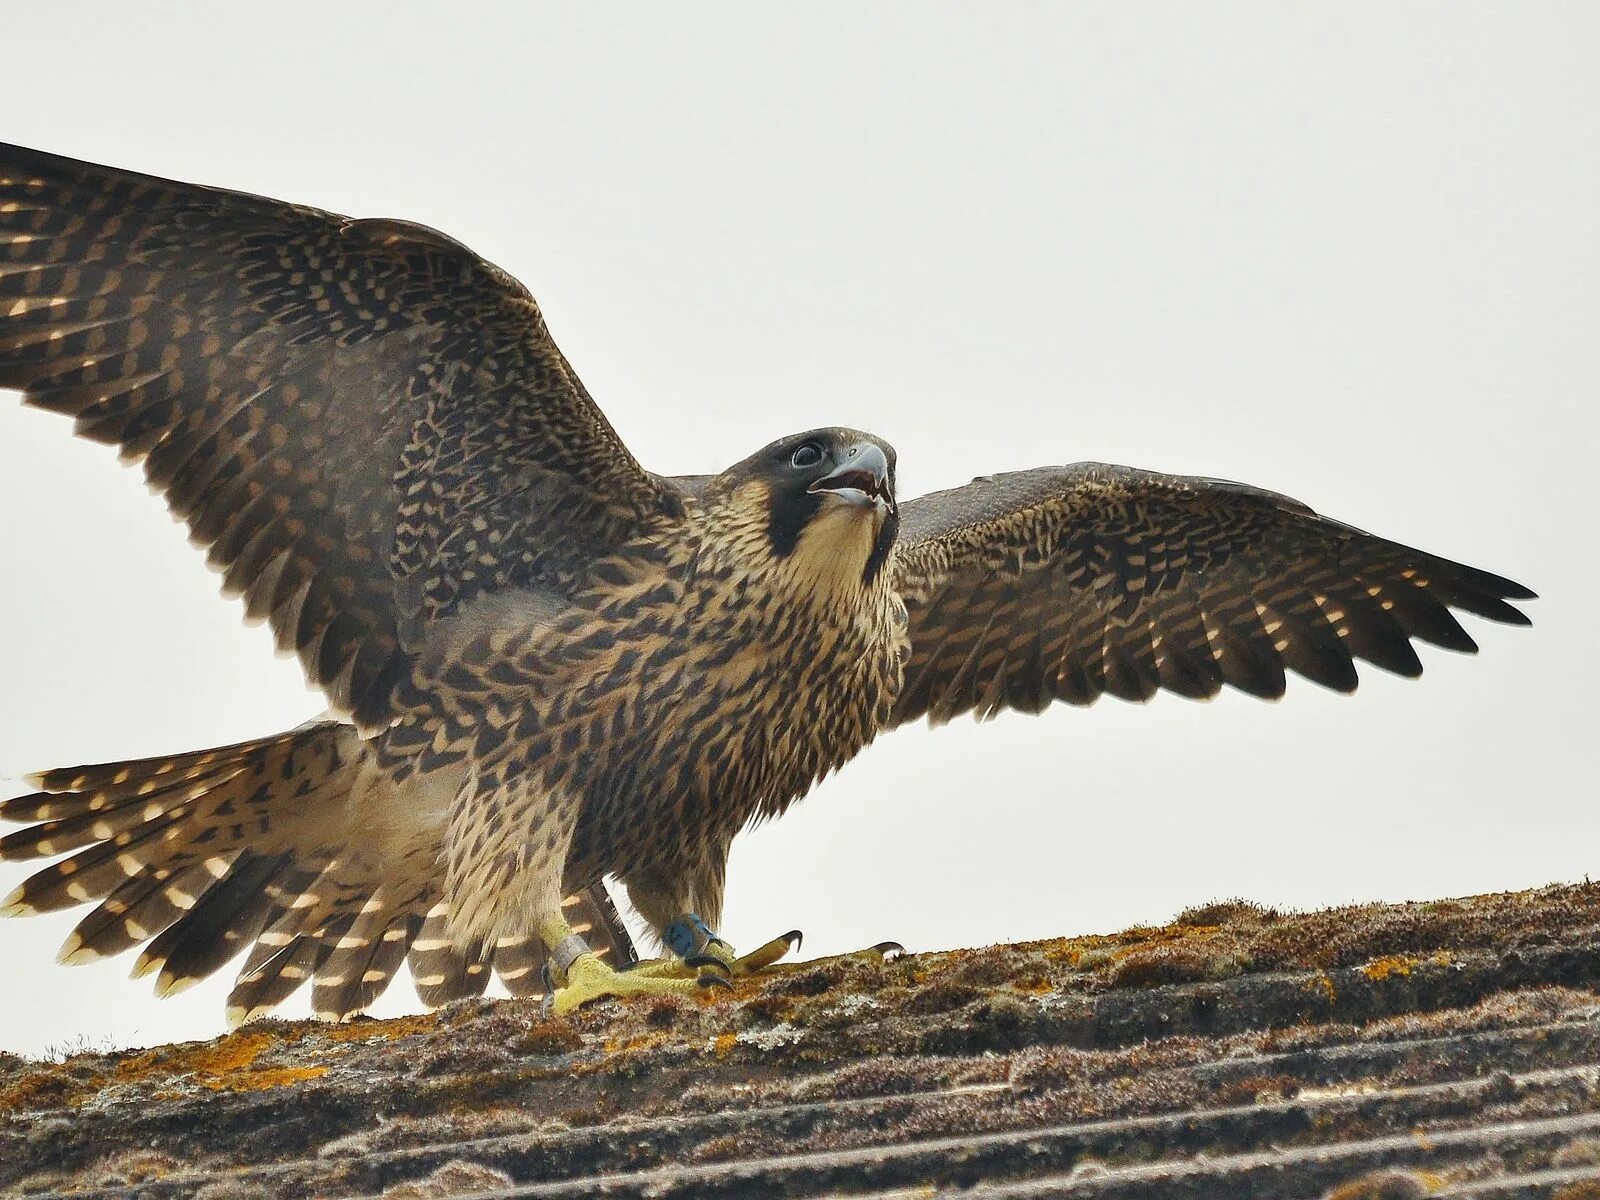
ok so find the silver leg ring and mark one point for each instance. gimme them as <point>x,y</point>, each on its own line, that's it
<point>566,951</point>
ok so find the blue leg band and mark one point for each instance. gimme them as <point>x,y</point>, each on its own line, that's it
<point>686,935</point>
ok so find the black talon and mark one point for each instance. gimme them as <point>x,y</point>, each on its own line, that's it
<point>547,1002</point>
<point>794,937</point>
<point>721,981</point>
<point>888,949</point>
<point>707,960</point>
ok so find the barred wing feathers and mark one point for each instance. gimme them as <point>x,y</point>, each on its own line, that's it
<point>363,421</point>
<point>1068,583</point>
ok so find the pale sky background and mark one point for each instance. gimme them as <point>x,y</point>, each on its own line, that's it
<point>1346,251</point>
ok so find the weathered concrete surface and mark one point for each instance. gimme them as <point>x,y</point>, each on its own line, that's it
<point>1449,1049</point>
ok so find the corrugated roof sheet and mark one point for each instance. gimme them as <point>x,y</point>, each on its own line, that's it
<point>1452,1048</point>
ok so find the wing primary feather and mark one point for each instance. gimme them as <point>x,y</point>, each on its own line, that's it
<point>1122,581</point>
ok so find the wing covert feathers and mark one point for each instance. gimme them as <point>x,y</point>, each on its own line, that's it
<point>364,422</point>
<point>1069,583</point>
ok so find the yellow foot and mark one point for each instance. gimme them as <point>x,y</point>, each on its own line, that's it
<point>590,979</point>
<point>765,956</point>
<point>716,957</point>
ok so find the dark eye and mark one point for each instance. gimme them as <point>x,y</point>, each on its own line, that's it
<point>808,455</point>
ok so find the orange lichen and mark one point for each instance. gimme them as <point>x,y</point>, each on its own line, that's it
<point>224,1056</point>
<point>398,1027</point>
<point>1035,985</point>
<point>1390,964</point>
<point>40,1088</point>
<point>257,1081</point>
<point>227,1064</point>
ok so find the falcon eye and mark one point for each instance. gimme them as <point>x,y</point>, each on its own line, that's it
<point>808,455</point>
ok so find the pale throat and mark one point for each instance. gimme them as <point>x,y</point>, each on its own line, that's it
<point>825,568</point>
<point>830,558</point>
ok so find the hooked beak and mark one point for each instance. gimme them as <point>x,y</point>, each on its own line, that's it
<point>862,478</point>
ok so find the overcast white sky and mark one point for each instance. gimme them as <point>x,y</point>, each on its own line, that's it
<point>1344,251</point>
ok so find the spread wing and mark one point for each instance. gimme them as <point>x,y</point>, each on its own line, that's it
<point>1064,583</point>
<point>364,422</point>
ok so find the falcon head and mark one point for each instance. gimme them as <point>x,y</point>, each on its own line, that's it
<point>824,502</point>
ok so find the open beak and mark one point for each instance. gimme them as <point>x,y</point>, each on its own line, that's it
<point>862,478</point>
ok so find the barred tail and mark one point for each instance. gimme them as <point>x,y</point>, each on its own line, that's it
<point>285,846</point>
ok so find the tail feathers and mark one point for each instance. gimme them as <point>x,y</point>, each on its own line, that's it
<point>346,933</point>
<point>93,786</point>
<point>191,853</point>
<point>276,979</point>
<point>94,873</point>
<point>302,904</point>
<point>443,973</point>
<point>225,919</point>
<point>440,969</point>
<point>169,814</point>
<point>364,957</point>
<point>113,818</point>
<point>519,963</point>
<point>138,910</point>
<point>267,847</point>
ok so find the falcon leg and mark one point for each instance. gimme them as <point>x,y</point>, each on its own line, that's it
<point>510,837</point>
<point>684,906</point>
<point>578,976</point>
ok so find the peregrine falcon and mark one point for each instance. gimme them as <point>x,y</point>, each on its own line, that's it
<point>549,665</point>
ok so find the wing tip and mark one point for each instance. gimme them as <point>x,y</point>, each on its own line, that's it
<point>1515,616</point>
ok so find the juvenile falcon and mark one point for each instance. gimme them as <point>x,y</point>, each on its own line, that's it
<point>553,665</point>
